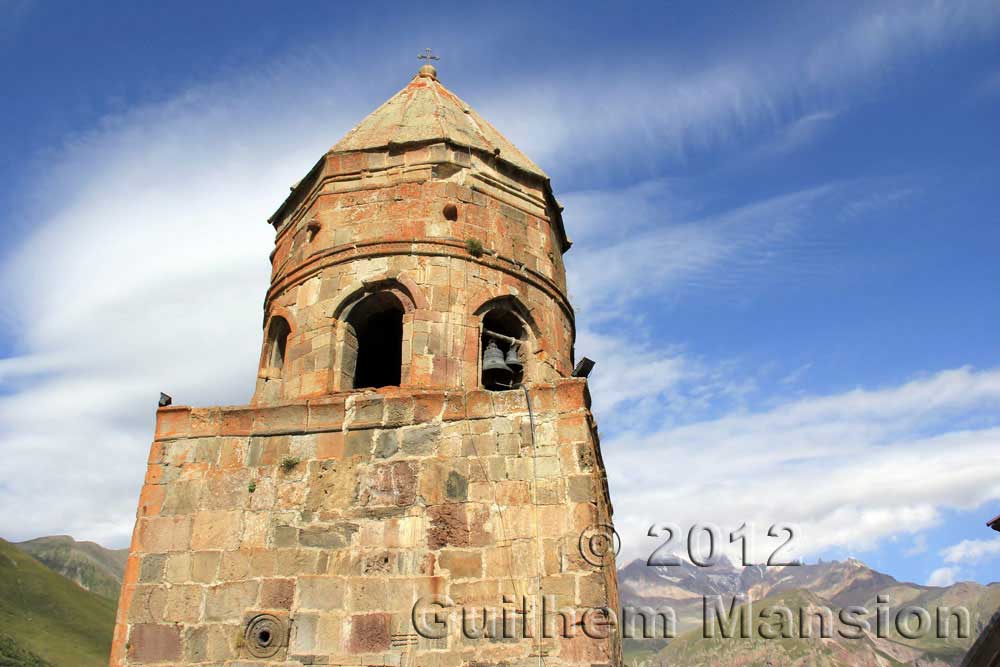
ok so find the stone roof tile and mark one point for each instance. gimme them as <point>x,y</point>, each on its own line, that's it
<point>425,111</point>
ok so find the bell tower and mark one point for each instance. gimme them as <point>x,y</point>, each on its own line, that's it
<point>423,229</point>
<point>416,452</point>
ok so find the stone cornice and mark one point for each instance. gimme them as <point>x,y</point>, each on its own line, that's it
<point>428,247</point>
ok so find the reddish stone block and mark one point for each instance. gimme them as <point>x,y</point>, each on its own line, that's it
<point>280,419</point>
<point>326,413</point>
<point>454,406</point>
<point>151,499</point>
<point>205,422</point>
<point>543,398</point>
<point>367,411</point>
<point>449,526</point>
<point>151,643</point>
<point>155,453</point>
<point>232,452</point>
<point>479,404</point>
<point>330,445</point>
<point>237,421</point>
<point>370,633</point>
<point>389,484</point>
<point>173,422</point>
<point>398,410</point>
<point>570,395</point>
<point>574,427</point>
<point>428,407</point>
<point>216,530</point>
<point>154,474</point>
<point>277,593</point>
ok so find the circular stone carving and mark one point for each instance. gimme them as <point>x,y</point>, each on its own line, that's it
<point>263,636</point>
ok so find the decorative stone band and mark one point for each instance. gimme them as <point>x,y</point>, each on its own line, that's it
<point>336,173</point>
<point>424,247</point>
<point>387,408</point>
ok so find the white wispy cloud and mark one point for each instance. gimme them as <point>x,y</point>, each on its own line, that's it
<point>972,551</point>
<point>797,134</point>
<point>663,259</point>
<point>599,115</point>
<point>883,36</point>
<point>144,269</point>
<point>850,469</point>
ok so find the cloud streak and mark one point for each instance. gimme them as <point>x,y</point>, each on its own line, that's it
<point>972,551</point>
<point>852,468</point>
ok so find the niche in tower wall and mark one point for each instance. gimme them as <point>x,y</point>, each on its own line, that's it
<point>377,325</point>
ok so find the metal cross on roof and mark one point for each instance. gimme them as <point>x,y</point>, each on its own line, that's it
<point>428,56</point>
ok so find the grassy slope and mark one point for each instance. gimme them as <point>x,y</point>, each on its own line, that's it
<point>13,655</point>
<point>49,615</point>
<point>97,569</point>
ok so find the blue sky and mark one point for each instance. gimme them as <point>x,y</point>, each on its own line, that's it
<point>785,226</point>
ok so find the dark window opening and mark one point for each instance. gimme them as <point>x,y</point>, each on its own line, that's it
<point>378,326</point>
<point>279,341</point>
<point>502,351</point>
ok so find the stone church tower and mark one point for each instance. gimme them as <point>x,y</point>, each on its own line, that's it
<point>416,455</point>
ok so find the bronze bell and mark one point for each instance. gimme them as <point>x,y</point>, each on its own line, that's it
<point>493,359</point>
<point>513,358</point>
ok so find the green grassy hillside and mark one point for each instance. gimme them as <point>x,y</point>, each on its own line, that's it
<point>12,655</point>
<point>47,614</point>
<point>97,569</point>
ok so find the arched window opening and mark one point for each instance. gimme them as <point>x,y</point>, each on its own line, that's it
<point>278,341</point>
<point>377,323</point>
<point>502,350</point>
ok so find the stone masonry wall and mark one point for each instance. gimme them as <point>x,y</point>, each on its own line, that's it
<point>321,523</point>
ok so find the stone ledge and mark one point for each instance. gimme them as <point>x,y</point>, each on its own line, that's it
<point>387,408</point>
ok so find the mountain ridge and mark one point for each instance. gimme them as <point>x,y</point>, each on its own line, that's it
<point>832,585</point>
<point>92,566</point>
<point>48,618</point>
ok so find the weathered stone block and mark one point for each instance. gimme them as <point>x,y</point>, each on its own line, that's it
<point>153,568</point>
<point>230,600</point>
<point>456,487</point>
<point>204,566</point>
<point>162,534</point>
<point>329,537</point>
<point>369,633</point>
<point>389,484</point>
<point>367,594</point>
<point>149,604</point>
<point>359,443</point>
<point>216,530</point>
<point>184,604</point>
<point>462,564</point>
<point>150,643</point>
<point>386,443</point>
<point>323,593</point>
<point>420,440</point>
<point>277,593</point>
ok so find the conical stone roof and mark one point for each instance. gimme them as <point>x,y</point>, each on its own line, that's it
<point>426,112</point>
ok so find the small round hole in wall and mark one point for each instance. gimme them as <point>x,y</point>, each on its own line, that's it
<point>450,212</point>
<point>263,636</point>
